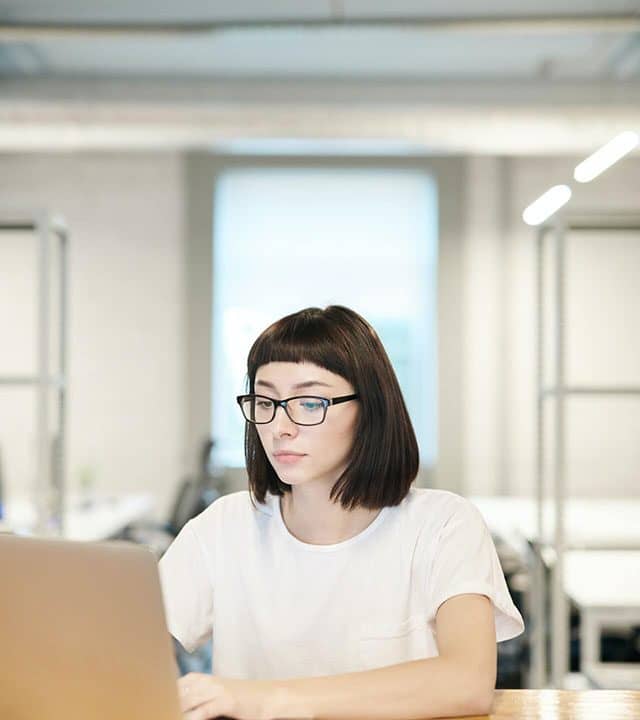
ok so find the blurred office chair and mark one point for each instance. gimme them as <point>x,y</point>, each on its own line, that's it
<point>194,495</point>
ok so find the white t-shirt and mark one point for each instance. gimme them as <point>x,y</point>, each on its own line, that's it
<point>278,608</point>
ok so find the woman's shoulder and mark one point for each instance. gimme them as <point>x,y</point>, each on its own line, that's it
<point>233,506</point>
<point>436,500</point>
<point>435,508</point>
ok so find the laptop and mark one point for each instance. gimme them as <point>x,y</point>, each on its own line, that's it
<point>83,632</point>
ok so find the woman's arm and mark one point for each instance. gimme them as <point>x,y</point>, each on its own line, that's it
<point>460,681</point>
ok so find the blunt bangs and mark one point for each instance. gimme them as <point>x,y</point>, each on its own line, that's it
<point>384,458</point>
<point>307,336</point>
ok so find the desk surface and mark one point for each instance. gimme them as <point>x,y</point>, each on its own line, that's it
<point>565,705</point>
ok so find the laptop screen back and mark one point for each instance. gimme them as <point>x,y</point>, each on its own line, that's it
<point>83,632</point>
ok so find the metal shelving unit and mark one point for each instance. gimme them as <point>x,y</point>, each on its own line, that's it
<point>553,553</point>
<point>49,487</point>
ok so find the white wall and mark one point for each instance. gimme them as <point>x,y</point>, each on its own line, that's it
<point>126,413</point>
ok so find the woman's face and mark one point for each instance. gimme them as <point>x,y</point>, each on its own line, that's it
<point>321,450</point>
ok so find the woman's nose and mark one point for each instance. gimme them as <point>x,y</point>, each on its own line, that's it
<point>282,423</point>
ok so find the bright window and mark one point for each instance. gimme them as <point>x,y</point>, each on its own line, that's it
<point>289,238</point>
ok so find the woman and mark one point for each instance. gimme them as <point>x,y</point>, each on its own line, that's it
<point>332,588</point>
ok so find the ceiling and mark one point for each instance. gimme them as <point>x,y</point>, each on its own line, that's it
<point>512,77</point>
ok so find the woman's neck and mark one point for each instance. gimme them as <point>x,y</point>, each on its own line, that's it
<point>312,518</point>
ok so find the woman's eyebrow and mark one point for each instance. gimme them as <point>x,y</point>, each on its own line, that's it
<point>297,386</point>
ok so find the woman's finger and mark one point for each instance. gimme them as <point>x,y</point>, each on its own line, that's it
<point>210,709</point>
<point>191,691</point>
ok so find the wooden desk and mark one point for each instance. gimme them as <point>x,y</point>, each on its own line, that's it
<point>564,705</point>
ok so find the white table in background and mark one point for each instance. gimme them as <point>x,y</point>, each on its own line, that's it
<point>100,519</point>
<point>605,587</point>
<point>590,523</point>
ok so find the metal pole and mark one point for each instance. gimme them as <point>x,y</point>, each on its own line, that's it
<point>537,676</point>
<point>559,605</point>
<point>42,479</point>
<point>62,385</point>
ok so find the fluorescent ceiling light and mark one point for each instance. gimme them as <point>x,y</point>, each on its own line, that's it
<point>546,204</point>
<point>608,154</point>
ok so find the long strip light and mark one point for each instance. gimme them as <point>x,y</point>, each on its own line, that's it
<point>606,156</point>
<point>546,204</point>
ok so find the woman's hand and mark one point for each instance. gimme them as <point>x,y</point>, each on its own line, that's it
<point>207,696</point>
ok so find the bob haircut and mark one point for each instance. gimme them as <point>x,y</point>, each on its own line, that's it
<point>384,459</point>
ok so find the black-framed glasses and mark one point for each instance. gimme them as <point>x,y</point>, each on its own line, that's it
<point>301,409</point>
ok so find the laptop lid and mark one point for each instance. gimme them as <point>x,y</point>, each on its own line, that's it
<point>83,632</point>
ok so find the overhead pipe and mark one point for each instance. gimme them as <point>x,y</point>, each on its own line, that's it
<point>617,23</point>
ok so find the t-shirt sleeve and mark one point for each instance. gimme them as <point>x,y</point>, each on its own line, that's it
<point>465,561</point>
<point>187,589</point>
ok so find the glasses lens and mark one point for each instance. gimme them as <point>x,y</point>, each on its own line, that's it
<point>306,410</point>
<point>257,409</point>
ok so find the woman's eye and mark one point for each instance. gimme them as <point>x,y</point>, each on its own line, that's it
<point>311,405</point>
<point>264,404</point>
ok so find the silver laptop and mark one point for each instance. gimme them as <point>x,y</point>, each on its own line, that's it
<point>83,632</point>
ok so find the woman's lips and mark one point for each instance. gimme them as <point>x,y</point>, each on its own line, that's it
<point>288,458</point>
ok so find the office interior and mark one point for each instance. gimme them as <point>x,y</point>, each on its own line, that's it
<point>138,148</point>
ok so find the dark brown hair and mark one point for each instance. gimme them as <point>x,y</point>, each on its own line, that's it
<point>383,461</point>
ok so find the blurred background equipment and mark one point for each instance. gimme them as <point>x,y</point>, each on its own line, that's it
<point>556,388</point>
<point>49,233</point>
